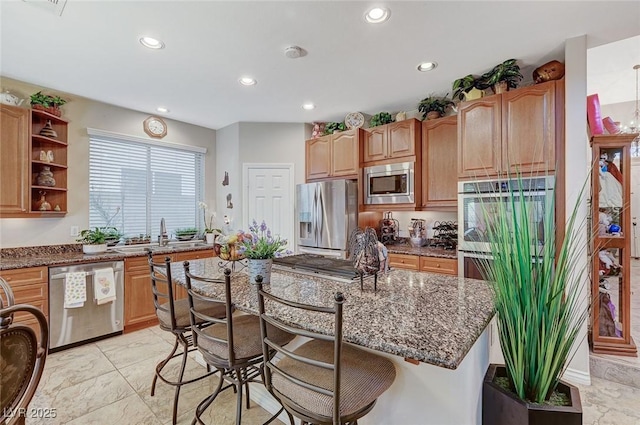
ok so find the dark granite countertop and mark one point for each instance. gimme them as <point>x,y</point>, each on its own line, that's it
<point>57,255</point>
<point>424,251</point>
<point>429,317</point>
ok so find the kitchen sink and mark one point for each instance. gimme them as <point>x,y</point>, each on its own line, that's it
<point>134,249</point>
<point>129,249</point>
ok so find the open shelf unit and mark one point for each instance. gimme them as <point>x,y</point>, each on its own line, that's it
<point>49,151</point>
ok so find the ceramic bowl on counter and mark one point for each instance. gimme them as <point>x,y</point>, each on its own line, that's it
<point>418,242</point>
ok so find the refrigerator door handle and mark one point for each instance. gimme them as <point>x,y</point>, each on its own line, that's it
<point>314,218</point>
<point>320,216</point>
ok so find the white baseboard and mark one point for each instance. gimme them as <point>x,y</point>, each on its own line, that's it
<point>264,399</point>
<point>575,376</point>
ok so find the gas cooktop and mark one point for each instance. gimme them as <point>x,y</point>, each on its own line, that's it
<point>318,264</point>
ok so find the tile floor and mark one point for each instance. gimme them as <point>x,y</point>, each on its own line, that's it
<point>109,382</point>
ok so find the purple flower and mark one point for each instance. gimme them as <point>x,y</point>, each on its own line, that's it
<point>263,226</point>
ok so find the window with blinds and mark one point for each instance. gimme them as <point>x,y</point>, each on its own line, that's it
<point>133,185</point>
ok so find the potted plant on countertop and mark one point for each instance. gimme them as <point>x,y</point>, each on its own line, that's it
<point>540,305</point>
<point>210,232</point>
<point>50,104</point>
<point>112,235</point>
<point>381,118</point>
<point>502,77</point>
<point>433,107</point>
<point>93,241</point>
<point>260,246</point>
<point>468,88</point>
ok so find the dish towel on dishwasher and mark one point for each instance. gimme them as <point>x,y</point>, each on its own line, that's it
<point>104,286</point>
<point>75,289</point>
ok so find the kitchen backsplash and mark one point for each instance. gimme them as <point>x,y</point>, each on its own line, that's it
<point>404,219</point>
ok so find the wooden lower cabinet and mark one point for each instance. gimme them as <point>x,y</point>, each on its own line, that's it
<point>139,309</point>
<point>404,261</point>
<point>439,265</point>
<point>424,264</point>
<point>29,286</point>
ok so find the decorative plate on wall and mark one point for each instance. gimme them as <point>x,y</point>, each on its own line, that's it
<point>354,120</point>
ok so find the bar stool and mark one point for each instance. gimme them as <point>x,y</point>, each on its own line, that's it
<point>324,381</point>
<point>230,344</point>
<point>173,316</point>
<point>23,355</point>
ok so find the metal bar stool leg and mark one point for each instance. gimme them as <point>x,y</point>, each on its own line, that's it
<point>161,365</point>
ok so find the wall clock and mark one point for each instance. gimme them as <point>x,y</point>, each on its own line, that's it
<point>155,127</point>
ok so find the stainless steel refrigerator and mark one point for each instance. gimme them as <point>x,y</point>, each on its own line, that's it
<point>326,214</point>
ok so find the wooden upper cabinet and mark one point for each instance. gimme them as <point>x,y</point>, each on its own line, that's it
<point>516,131</point>
<point>402,138</point>
<point>345,159</point>
<point>529,128</point>
<point>335,155</point>
<point>439,163</point>
<point>479,138</point>
<point>390,141</point>
<point>318,158</point>
<point>14,159</point>
<point>375,144</point>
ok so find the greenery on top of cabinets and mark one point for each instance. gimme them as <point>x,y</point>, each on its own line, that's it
<point>507,71</point>
<point>334,127</point>
<point>46,100</point>
<point>465,85</point>
<point>380,119</point>
<point>434,103</point>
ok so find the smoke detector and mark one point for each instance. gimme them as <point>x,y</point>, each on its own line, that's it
<point>294,52</point>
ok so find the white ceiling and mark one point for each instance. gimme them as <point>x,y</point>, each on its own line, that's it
<point>92,50</point>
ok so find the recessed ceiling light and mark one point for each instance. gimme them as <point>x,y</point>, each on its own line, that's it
<point>427,66</point>
<point>162,110</point>
<point>377,15</point>
<point>247,81</point>
<point>308,106</point>
<point>151,43</point>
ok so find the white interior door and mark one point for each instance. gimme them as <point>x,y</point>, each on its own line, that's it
<point>635,207</point>
<point>269,196</point>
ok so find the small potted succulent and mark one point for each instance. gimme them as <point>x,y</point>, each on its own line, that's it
<point>50,104</point>
<point>502,77</point>
<point>93,241</point>
<point>433,107</point>
<point>186,233</point>
<point>380,118</point>
<point>112,235</point>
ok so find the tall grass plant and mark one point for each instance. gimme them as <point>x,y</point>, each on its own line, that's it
<point>538,290</point>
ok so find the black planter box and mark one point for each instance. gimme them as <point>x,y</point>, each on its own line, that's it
<point>501,407</point>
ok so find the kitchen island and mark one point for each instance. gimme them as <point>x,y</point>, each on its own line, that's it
<point>433,327</point>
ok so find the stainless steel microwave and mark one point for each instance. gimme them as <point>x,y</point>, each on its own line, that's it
<point>389,184</point>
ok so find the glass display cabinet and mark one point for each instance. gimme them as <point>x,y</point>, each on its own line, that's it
<point>611,245</point>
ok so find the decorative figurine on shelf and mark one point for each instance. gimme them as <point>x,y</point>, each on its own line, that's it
<point>610,183</point>
<point>48,131</point>
<point>45,177</point>
<point>42,204</point>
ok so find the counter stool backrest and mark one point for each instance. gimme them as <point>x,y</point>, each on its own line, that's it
<point>268,344</point>
<point>200,321</point>
<point>163,297</point>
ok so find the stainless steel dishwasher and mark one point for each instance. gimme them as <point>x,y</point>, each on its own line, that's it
<point>73,326</point>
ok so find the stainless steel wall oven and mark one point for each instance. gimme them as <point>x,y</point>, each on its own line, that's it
<point>476,200</point>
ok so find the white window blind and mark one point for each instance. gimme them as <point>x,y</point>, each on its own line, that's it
<point>133,185</point>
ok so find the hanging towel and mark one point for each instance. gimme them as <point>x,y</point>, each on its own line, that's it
<point>104,286</point>
<point>75,289</point>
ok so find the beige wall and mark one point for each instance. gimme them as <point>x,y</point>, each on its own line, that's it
<point>251,142</point>
<point>83,113</point>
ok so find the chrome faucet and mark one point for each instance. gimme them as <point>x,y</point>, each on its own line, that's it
<point>163,238</point>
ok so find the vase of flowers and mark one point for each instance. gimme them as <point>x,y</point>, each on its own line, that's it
<point>260,247</point>
<point>210,231</point>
